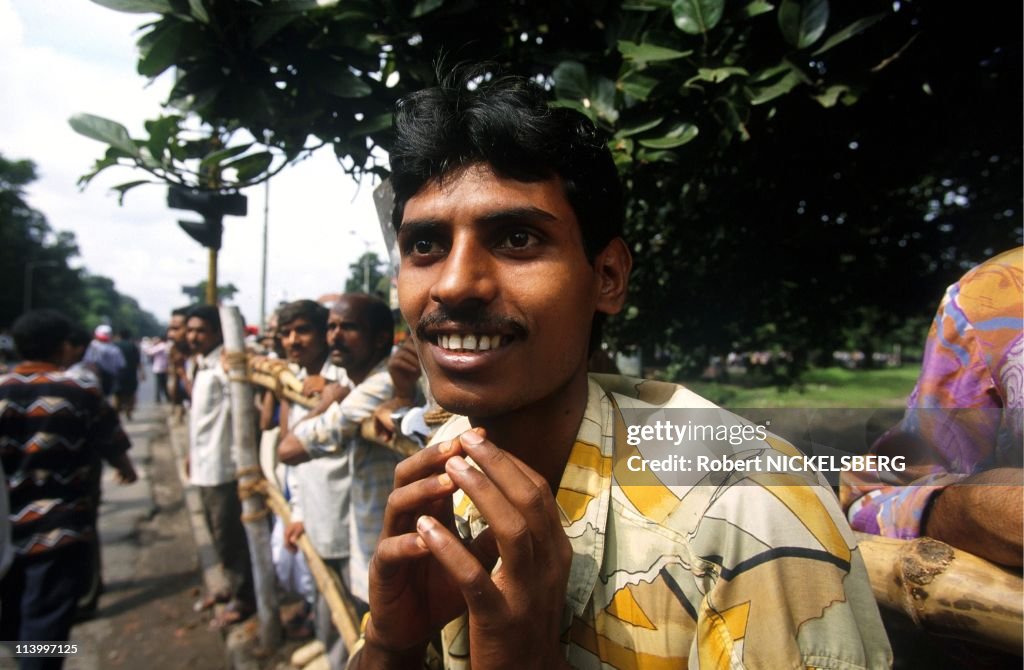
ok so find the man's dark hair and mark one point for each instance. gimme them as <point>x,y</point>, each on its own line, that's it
<point>79,336</point>
<point>310,310</point>
<point>39,334</point>
<point>126,333</point>
<point>208,313</point>
<point>377,313</point>
<point>506,123</point>
<point>379,316</point>
<point>181,311</point>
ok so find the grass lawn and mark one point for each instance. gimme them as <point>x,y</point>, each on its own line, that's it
<point>821,387</point>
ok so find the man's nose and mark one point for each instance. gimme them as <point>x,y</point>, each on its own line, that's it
<point>467,274</point>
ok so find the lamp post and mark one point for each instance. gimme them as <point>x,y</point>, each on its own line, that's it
<point>30,266</point>
<point>366,262</point>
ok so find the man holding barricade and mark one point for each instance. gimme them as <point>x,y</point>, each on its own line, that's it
<point>319,489</point>
<point>359,332</point>
<point>212,467</point>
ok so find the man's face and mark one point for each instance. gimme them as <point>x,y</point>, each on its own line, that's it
<point>202,339</point>
<point>303,344</point>
<point>176,330</point>
<point>349,338</point>
<point>497,288</point>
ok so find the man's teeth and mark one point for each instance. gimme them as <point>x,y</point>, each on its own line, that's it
<point>471,342</point>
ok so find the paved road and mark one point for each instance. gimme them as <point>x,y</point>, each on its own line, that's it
<point>150,566</point>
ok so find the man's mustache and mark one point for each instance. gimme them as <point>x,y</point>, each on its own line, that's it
<point>469,319</point>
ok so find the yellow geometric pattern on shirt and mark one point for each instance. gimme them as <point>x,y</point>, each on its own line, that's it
<point>719,633</point>
<point>585,465</point>
<point>754,575</point>
<point>801,500</point>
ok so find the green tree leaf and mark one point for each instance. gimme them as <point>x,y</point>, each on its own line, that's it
<point>571,80</point>
<point>198,11</point>
<point>717,75</point>
<point>217,157</point>
<point>756,8</point>
<point>371,125</point>
<point>425,7</point>
<point>836,93</point>
<point>104,130</point>
<point>849,31</point>
<point>162,52</point>
<point>648,53</point>
<point>639,127</point>
<point>137,6</point>
<point>677,137</point>
<point>122,189</point>
<point>637,84</point>
<point>802,22</point>
<point>696,17</point>
<point>774,82</point>
<point>343,84</point>
<point>251,166</point>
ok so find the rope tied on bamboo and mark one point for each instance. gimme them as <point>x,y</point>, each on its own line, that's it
<point>250,471</point>
<point>256,516</point>
<point>236,359</point>
<point>250,488</point>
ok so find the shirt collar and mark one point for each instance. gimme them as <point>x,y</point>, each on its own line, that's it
<point>212,359</point>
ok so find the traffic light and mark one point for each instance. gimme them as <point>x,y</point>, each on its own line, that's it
<point>212,206</point>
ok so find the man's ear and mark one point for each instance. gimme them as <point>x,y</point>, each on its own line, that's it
<point>384,339</point>
<point>612,266</point>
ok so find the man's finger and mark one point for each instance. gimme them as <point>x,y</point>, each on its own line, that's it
<point>528,492</point>
<point>426,462</point>
<point>465,571</point>
<point>393,553</point>
<point>414,498</point>
<point>512,530</point>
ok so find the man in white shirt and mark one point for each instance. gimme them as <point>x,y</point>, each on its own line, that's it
<point>212,467</point>
<point>318,490</point>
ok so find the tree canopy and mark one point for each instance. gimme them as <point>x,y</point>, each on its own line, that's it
<point>801,175</point>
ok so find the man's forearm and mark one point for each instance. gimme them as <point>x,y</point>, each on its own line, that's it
<point>982,515</point>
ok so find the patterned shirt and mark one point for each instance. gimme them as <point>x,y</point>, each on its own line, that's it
<point>966,413</point>
<point>54,429</point>
<point>756,571</point>
<point>372,466</point>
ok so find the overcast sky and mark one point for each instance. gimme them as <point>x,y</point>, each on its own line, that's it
<point>62,57</point>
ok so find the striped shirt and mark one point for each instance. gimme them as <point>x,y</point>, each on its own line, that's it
<point>54,429</point>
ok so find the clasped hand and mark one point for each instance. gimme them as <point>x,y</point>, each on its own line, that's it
<point>423,575</point>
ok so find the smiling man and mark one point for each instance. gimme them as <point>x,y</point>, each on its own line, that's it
<point>509,217</point>
<point>319,489</point>
<point>359,334</point>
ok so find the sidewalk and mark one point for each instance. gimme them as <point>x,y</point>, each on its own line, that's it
<point>145,617</point>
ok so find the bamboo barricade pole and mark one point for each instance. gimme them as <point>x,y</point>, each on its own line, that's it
<point>946,591</point>
<point>343,612</point>
<point>254,511</point>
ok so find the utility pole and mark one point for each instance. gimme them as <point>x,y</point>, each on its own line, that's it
<point>263,267</point>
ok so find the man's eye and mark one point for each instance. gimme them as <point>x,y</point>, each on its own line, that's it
<point>424,247</point>
<point>519,239</point>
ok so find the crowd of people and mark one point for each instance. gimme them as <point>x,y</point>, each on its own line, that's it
<point>511,538</point>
